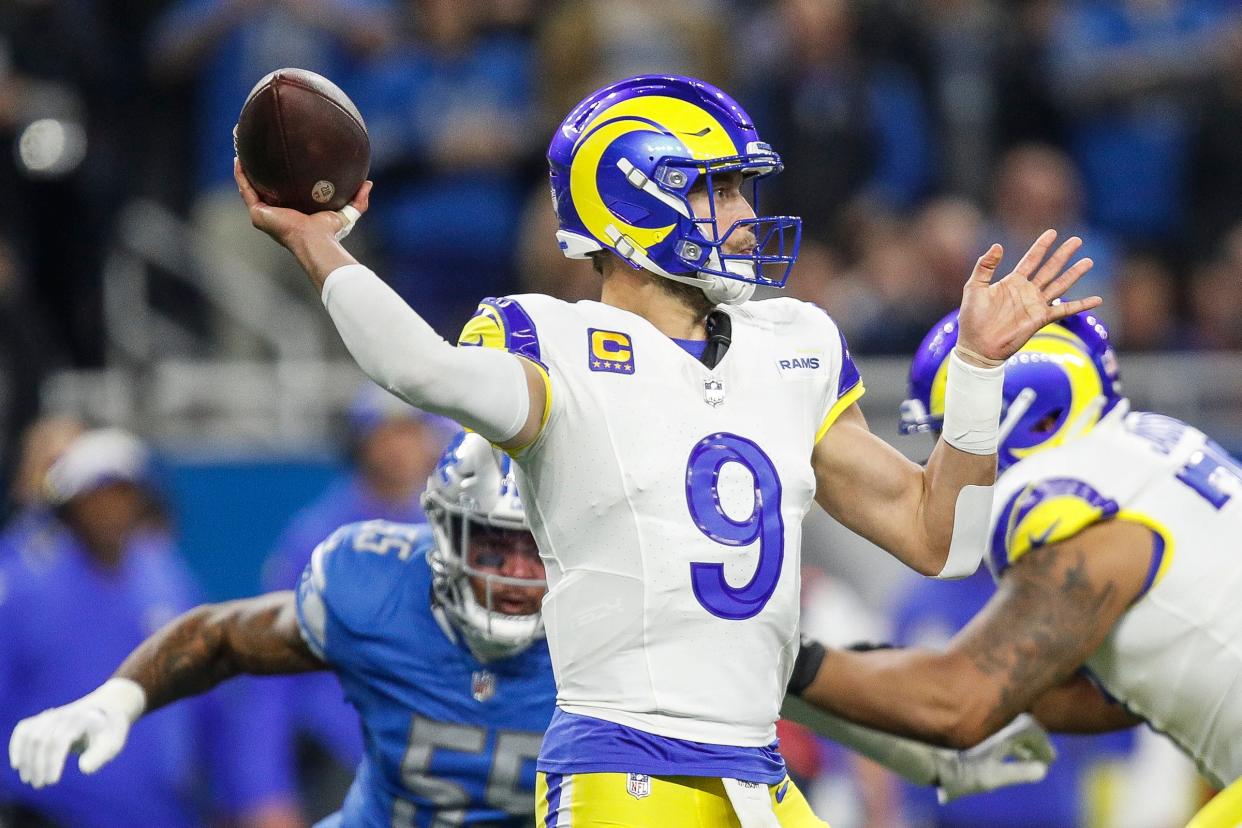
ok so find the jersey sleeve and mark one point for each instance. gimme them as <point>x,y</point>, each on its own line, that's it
<point>845,385</point>
<point>504,324</point>
<point>1042,513</point>
<point>351,584</point>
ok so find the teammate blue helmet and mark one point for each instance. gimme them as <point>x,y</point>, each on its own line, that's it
<point>623,163</point>
<point>1061,383</point>
<point>473,490</point>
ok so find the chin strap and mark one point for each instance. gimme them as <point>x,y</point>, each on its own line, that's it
<point>719,338</point>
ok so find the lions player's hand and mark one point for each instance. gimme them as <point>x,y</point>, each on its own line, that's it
<point>1015,755</point>
<point>95,725</point>
<point>998,317</point>
<point>290,227</point>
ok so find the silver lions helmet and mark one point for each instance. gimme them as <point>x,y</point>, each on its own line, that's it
<point>487,576</point>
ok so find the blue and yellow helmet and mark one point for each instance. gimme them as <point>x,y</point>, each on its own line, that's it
<point>1061,383</point>
<point>622,166</point>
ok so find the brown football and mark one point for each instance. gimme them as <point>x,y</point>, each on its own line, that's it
<point>302,142</point>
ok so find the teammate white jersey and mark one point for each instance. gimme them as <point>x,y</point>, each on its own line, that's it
<point>667,500</point>
<point>1175,656</point>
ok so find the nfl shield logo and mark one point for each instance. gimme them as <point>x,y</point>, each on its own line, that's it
<point>713,392</point>
<point>638,785</point>
<point>482,685</point>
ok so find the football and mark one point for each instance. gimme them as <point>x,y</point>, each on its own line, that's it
<point>302,142</point>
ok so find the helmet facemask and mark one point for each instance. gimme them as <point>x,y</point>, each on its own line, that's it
<point>491,633</point>
<point>471,501</point>
<point>700,246</point>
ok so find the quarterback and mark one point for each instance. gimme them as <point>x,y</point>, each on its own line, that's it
<point>1114,542</point>
<point>670,438</point>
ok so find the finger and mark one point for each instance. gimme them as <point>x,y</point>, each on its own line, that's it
<point>1067,279</point>
<point>1035,254</point>
<point>1039,748</point>
<point>103,748</point>
<point>45,753</point>
<point>1056,262</point>
<point>19,749</point>
<point>28,750</point>
<point>1058,312</point>
<point>16,742</point>
<point>362,199</point>
<point>56,752</point>
<point>244,187</point>
<point>1018,773</point>
<point>985,268</point>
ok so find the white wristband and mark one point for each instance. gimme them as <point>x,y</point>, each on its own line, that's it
<point>972,405</point>
<point>122,695</point>
<point>349,216</point>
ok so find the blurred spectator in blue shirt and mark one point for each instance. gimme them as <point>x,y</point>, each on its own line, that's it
<point>1124,72</point>
<point>394,449</point>
<point>42,444</point>
<point>852,126</point>
<point>73,603</point>
<point>1037,186</point>
<point>928,616</point>
<point>450,111</point>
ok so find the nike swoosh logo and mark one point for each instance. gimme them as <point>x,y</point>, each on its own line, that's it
<point>700,133</point>
<point>477,341</point>
<point>1047,533</point>
<point>781,791</point>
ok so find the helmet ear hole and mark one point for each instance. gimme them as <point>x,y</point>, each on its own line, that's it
<point>1048,422</point>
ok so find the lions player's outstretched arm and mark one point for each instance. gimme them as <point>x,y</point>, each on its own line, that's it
<point>214,642</point>
<point>189,655</point>
<point>1052,609</point>
<point>495,393</point>
<point>931,518</point>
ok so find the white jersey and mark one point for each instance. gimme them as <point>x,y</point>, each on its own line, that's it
<point>1175,657</point>
<point>667,500</point>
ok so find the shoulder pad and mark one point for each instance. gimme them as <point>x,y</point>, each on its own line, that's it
<point>355,570</point>
<point>1044,512</point>
<point>504,324</point>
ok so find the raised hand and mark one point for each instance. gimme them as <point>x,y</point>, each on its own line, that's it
<point>288,226</point>
<point>998,317</point>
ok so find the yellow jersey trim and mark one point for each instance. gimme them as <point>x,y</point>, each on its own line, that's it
<point>1165,535</point>
<point>547,406</point>
<point>843,402</point>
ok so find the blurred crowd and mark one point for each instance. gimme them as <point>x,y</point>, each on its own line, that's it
<point>914,133</point>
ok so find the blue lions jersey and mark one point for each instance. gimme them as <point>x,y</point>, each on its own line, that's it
<point>449,739</point>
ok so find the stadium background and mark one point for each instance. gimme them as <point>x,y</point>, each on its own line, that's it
<point>134,293</point>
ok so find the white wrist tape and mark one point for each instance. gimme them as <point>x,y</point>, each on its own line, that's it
<point>972,405</point>
<point>121,695</point>
<point>481,388</point>
<point>349,217</point>
<point>971,517</point>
